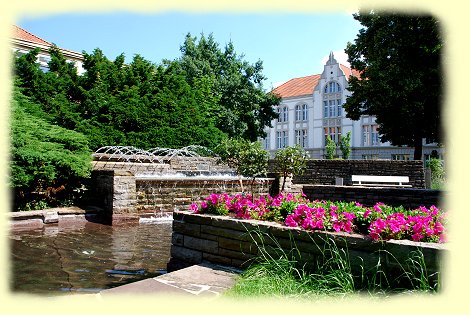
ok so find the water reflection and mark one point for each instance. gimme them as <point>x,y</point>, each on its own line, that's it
<point>87,257</point>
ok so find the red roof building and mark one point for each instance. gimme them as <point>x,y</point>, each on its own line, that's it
<point>311,110</point>
<point>23,41</point>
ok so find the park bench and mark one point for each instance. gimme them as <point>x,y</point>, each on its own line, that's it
<point>375,180</point>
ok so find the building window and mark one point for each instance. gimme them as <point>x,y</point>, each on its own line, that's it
<point>332,108</point>
<point>370,135</point>
<point>266,142</point>
<point>301,112</point>
<point>332,105</point>
<point>333,132</point>
<point>283,112</point>
<point>370,156</point>
<point>400,157</point>
<point>332,87</point>
<point>282,138</point>
<point>301,137</point>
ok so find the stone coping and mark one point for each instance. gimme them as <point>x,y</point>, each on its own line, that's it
<point>37,214</point>
<point>357,187</point>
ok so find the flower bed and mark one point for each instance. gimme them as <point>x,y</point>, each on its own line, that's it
<point>380,222</point>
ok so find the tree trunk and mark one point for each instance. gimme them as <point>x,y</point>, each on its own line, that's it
<point>418,153</point>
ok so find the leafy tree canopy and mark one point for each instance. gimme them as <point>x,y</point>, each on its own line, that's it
<point>244,109</point>
<point>399,58</point>
<point>139,104</point>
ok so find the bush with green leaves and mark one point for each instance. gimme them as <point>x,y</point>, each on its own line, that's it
<point>290,161</point>
<point>48,163</point>
<point>330,148</point>
<point>247,158</point>
<point>345,145</point>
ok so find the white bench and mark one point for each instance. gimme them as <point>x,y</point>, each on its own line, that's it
<point>374,180</point>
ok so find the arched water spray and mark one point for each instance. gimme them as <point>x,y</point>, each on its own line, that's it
<point>154,155</point>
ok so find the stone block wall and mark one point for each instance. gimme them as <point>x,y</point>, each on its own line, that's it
<point>164,195</point>
<point>233,242</point>
<point>121,193</point>
<point>164,166</point>
<point>324,172</point>
<point>114,191</point>
<point>410,198</point>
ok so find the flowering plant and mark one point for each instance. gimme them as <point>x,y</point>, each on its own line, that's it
<point>379,222</point>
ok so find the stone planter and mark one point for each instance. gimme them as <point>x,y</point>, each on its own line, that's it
<point>233,242</point>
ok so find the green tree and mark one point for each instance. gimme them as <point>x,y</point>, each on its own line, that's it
<point>399,60</point>
<point>330,148</point>
<point>139,104</point>
<point>45,159</point>
<point>345,145</point>
<point>243,108</point>
<point>290,161</point>
<point>247,158</point>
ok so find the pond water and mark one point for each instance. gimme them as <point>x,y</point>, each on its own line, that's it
<point>86,257</point>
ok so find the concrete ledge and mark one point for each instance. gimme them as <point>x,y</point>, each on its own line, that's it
<point>208,280</point>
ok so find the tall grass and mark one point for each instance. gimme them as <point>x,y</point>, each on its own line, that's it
<point>280,273</point>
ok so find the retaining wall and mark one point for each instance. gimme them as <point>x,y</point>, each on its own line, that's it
<point>410,198</point>
<point>163,166</point>
<point>233,242</point>
<point>324,172</point>
<point>122,194</point>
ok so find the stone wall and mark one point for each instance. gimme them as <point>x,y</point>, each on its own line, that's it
<point>164,166</point>
<point>114,191</point>
<point>200,238</point>
<point>163,195</point>
<point>410,198</point>
<point>324,172</point>
<point>120,193</point>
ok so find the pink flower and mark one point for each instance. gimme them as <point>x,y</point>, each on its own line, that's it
<point>337,226</point>
<point>290,221</point>
<point>347,226</point>
<point>377,207</point>
<point>416,237</point>
<point>194,208</point>
<point>349,216</point>
<point>438,228</point>
<point>203,205</point>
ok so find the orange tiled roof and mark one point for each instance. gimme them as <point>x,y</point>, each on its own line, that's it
<point>305,85</point>
<point>348,72</point>
<point>298,86</point>
<point>20,33</point>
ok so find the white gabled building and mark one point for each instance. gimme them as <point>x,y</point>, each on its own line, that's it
<point>311,108</point>
<point>23,42</point>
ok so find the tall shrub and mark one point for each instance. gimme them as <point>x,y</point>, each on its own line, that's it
<point>437,173</point>
<point>330,148</point>
<point>247,158</point>
<point>290,161</point>
<point>48,163</point>
<point>345,145</point>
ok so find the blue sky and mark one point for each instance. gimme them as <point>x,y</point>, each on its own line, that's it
<point>290,45</point>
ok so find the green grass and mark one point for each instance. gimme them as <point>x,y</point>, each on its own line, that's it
<point>277,273</point>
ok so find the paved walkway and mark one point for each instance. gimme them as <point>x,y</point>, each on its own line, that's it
<point>206,280</point>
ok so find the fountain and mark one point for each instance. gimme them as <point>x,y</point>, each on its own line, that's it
<point>153,183</point>
<point>139,188</point>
